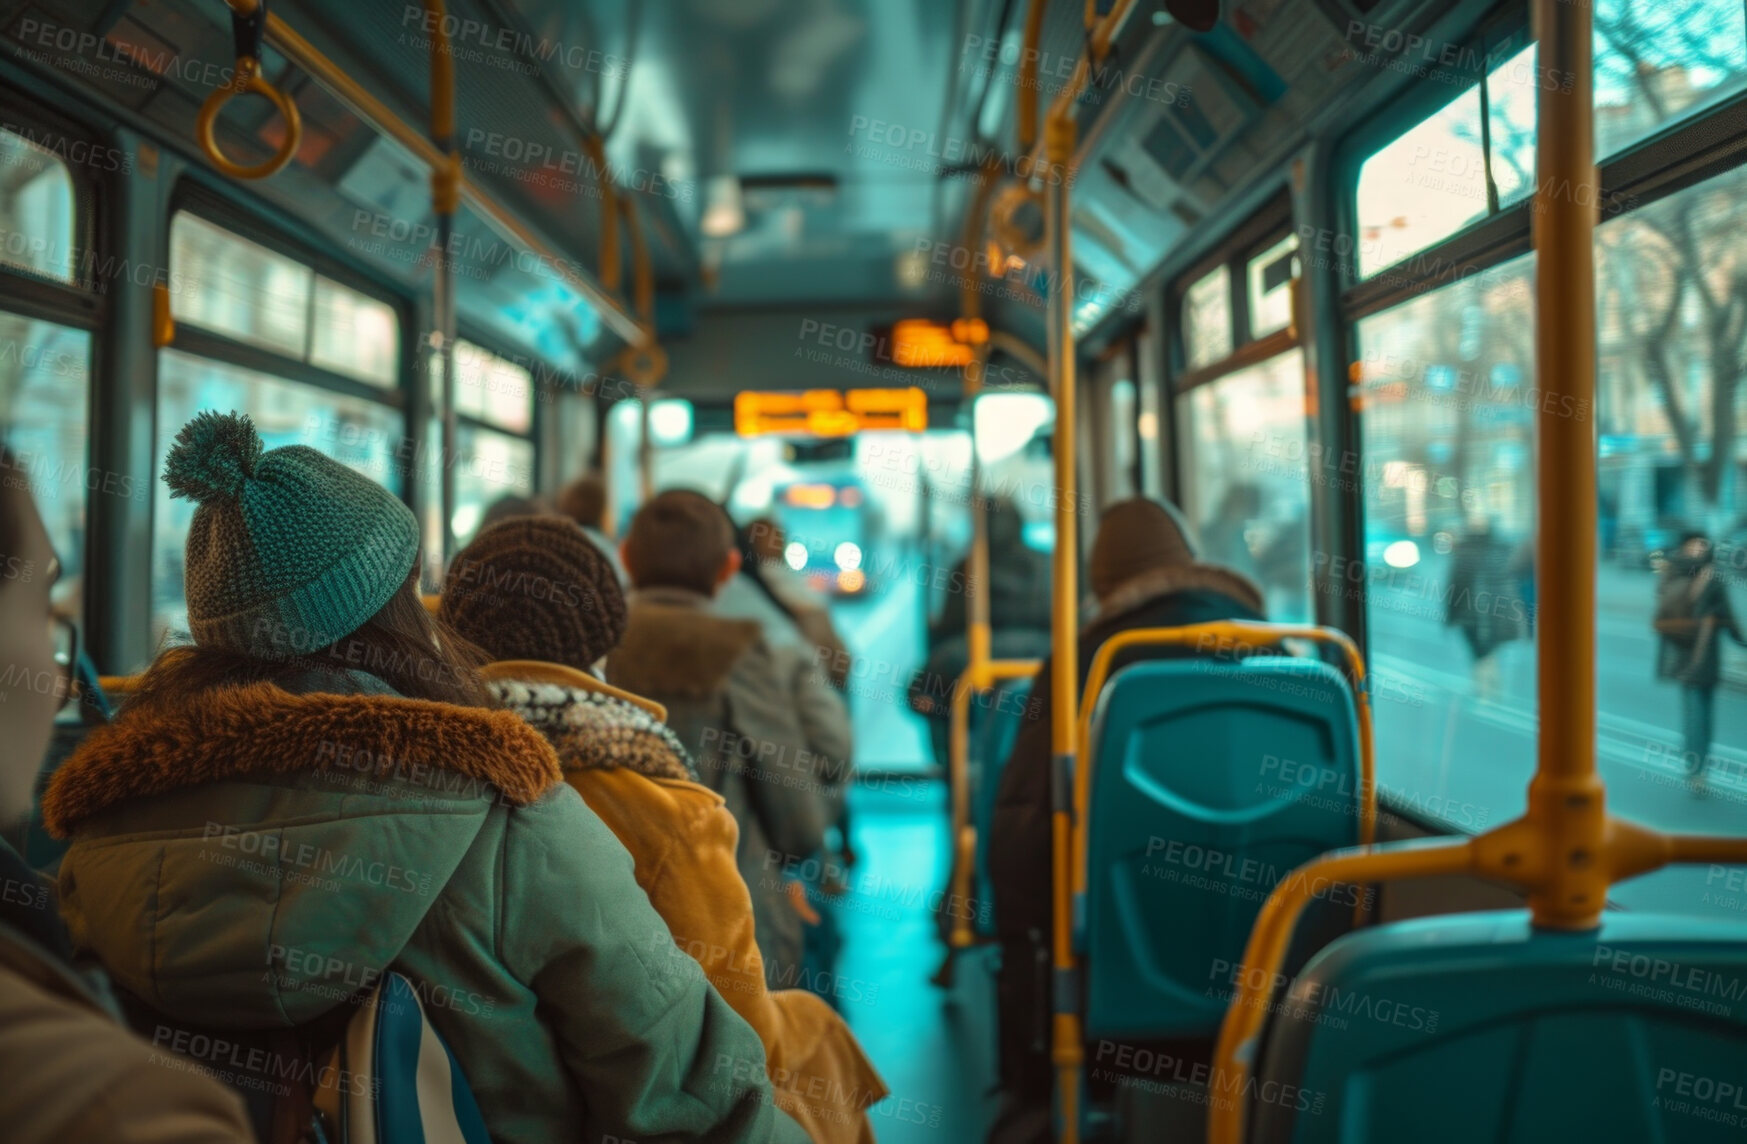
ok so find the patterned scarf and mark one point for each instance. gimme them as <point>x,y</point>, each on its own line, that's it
<point>594,731</point>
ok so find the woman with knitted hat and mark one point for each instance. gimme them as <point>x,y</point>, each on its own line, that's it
<point>538,595</point>
<point>1145,572</point>
<point>317,791</point>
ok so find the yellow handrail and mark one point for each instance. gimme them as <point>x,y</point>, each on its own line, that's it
<point>360,102</point>
<point>248,25</point>
<point>1060,135</point>
<point>964,834</point>
<point>1222,635</point>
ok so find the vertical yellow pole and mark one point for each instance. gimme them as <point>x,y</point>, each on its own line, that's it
<point>1060,134</point>
<point>1566,798</point>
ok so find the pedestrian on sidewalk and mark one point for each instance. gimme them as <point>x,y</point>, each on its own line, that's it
<point>1692,613</point>
<point>1484,600</point>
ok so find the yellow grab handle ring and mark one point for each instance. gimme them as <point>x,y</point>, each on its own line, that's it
<point>644,365</point>
<point>1014,234</point>
<point>248,79</point>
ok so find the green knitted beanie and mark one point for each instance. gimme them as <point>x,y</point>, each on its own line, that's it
<point>289,550</point>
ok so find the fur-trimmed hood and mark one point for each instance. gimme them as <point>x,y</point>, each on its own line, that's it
<point>595,730</point>
<point>1182,578</point>
<point>676,647</point>
<point>223,849</point>
<point>260,729</point>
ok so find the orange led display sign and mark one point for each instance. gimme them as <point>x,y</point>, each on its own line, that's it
<point>921,344</point>
<point>830,412</point>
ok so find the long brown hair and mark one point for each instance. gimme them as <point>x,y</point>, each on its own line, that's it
<point>403,645</point>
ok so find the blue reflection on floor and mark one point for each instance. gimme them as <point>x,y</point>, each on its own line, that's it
<point>933,1046</point>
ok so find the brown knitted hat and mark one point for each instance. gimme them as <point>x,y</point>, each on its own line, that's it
<point>1137,536</point>
<point>535,587</point>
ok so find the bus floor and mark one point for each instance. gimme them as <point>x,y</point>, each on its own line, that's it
<point>935,1047</point>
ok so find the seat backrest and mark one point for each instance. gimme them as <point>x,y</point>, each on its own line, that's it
<point>1211,781</point>
<point>1481,1027</point>
<point>992,744</point>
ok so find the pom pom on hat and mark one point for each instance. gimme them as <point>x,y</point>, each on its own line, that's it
<point>212,457</point>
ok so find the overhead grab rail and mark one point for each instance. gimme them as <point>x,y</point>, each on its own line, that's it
<point>361,103</point>
<point>1566,851</point>
<point>248,28</point>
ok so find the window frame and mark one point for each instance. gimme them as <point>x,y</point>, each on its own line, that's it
<point>1680,154</point>
<point>1264,228</point>
<point>194,197</point>
<point>78,303</point>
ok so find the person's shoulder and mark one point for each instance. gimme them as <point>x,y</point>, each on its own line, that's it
<point>77,1074</point>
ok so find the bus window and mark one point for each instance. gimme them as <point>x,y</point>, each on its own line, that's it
<point>1659,63</point>
<point>1431,181</point>
<point>1207,334</point>
<point>355,334</point>
<point>1242,440</point>
<point>36,211</point>
<point>44,410</point>
<point>239,288</point>
<point>359,433</point>
<point>494,456</point>
<point>1448,424</point>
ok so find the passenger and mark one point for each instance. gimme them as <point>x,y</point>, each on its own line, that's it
<point>766,730</point>
<point>1144,573</point>
<point>759,593</point>
<point>1019,618</point>
<point>312,794</point>
<point>508,506</point>
<point>73,1073</point>
<point>634,773</point>
<point>584,500</point>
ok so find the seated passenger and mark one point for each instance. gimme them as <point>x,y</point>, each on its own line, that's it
<point>1019,620</point>
<point>584,500</point>
<point>315,792</point>
<point>509,506</point>
<point>536,590</point>
<point>765,729</point>
<point>73,1073</point>
<point>1144,574</point>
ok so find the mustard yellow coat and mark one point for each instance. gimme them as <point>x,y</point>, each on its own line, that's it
<point>631,772</point>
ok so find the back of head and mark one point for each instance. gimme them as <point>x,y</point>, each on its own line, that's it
<point>680,539</point>
<point>584,500</point>
<point>535,588</point>
<point>508,507</point>
<point>296,563</point>
<point>1137,536</point>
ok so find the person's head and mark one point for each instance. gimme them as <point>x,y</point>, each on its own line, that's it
<point>681,539</point>
<point>34,686</point>
<point>1695,546</point>
<point>508,507</point>
<point>296,563</point>
<point>584,500</point>
<point>765,539</point>
<point>536,588</point>
<point>1135,537</point>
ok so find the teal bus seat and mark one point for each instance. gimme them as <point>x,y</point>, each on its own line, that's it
<point>1480,1027</point>
<point>996,733</point>
<point>1211,782</point>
